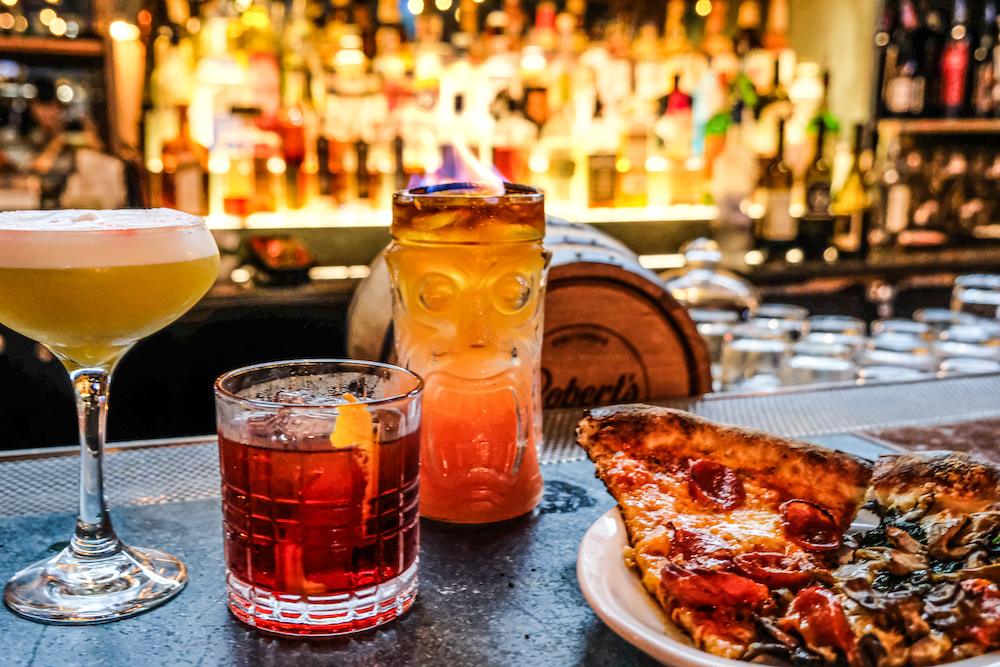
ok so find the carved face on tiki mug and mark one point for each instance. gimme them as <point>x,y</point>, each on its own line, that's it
<point>471,309</point>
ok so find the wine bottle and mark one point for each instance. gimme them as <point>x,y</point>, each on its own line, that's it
<point>955,63</point>
<point>816,225</point>
<point>852,215</point>
<point>984,75</point>
<point>930,40</point>
<point>903,92</point>
<point>777,229</point>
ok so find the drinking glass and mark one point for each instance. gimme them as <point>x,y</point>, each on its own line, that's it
<point>840,324</point>
<point>89,285</point>
<point>890,374</point>
<point>977,294</point>
<point>918,329</point>
<point>782,317</point>
<point>964,366</point>
<point>468,277</point>
<point>320,464</point>
<point>813,362</point>
<point>714,326</point>
<point>898,349</point>
<point>751,358</point>
<point>979,341</point>
<point>940,319</point>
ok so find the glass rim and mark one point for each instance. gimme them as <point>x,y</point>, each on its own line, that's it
<point>361,364</point>
<point>197,222</point>
<point>987,281</point>
<point>441,193</point>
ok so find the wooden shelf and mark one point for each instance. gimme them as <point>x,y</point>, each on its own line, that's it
<point>943,125</point>
<point>48,46</point>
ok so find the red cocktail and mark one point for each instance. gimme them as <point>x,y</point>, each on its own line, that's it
<point>320,469</point>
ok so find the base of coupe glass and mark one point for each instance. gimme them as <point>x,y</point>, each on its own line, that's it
<point>67,589</point>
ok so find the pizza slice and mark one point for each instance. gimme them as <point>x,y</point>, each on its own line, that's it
<point>921,589</point>
<point>726,522</point>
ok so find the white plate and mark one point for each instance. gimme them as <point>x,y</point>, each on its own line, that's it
<point>617,595</point>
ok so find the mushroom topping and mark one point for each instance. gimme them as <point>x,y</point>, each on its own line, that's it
<point>930,650</point>
<point>981,525</point>
<point>942,594</point>
<point>861,591</point>
<point>903,540</point>
<point>872,653</point>
<point>771,628</point>
<point>918,511</point>
<point>978,558</point>
<point>901,562</point>
<point>940,536</point>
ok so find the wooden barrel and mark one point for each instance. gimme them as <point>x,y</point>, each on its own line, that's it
<point>612,333</point>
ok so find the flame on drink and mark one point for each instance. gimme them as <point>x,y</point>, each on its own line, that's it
<point>463,168</point>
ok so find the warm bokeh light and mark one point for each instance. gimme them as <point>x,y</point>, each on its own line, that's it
<point>124,32</point>
<point>57,27</point>
<point>64,92</point>
<point>442,5</point>
<point>46,16</point>
<point>9,3</point>
<point>703,7</point>
<point>6,21</point>
<point>415,6</point>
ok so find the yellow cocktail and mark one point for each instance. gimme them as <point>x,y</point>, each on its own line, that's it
<point>92,315</point>
<point>89,284</point>
<point>468,282</point>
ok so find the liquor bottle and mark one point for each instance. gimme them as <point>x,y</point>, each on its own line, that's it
<point>984,74</point>
<point>955,63</point>
<point>776,97</point>
<point>631,164</point>
<point>816,224</point>
<point>850,208</point>
<point>777,229</point>
<point>903,89</point>
<point>185,171</point>
<point>930,40</point>
<point>734,178</point>
<point>956,195</point>
<point>748,37</point>
<point>601,159</point>
<point>776,31</point>
<point>898,182</point>
<point>886,50</point>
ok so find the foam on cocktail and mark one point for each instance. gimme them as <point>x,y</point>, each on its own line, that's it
<point>77,239</point>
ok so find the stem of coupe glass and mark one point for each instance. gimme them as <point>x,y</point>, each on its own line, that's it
<point>94,537</point>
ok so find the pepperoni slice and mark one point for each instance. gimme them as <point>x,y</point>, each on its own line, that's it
<point>714,484</point>
<point>817,615</point>
<point>809,526</point>
<point>708,588</point>
<point>700,548</point>
<point>774,570</point>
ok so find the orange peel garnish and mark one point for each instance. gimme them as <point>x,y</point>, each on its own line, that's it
<point>354,428</point>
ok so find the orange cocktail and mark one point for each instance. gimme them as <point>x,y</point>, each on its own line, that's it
<point>468,279</point>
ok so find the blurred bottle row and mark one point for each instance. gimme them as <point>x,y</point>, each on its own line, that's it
<point>938,59</point>
<point>268,106</point>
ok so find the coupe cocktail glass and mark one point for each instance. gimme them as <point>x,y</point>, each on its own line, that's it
<point>88,285</point>
<point>468,279</point>
<point>319,467</point>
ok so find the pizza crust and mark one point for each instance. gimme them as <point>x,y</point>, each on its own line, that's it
<point>833,480</point>
<point>959,483</point>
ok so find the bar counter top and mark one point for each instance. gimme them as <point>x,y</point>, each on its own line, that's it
<point>505,594</point>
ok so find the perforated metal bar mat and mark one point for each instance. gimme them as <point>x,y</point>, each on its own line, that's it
<point>164,471</point>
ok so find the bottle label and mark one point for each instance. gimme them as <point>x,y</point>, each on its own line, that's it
<point>917,95</point>
<point>953,66</point>
<point>818,199</point>
<point>982,99</point>
<point>602,179</point>
<point>187,189</point>
<point>897,208</point>
<point>778,223</point>
<point>899,94</point>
